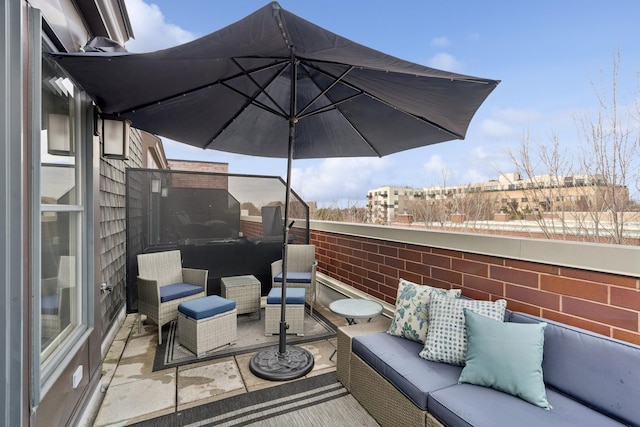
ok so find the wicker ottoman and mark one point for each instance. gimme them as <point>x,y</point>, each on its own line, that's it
<point>245,291</point>
<point>294,311</point>
<point>207,323</point>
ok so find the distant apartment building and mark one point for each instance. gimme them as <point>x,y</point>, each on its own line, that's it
<point>510,194</point>
<point>384,204</point>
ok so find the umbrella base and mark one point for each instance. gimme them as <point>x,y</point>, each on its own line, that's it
<point>272,365</point>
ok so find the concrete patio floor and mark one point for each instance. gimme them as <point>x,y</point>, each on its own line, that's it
<point>133,393</point>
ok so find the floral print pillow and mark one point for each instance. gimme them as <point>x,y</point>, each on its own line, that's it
<point>411,318</point>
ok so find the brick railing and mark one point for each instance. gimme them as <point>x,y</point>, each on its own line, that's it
<point>595,287</point>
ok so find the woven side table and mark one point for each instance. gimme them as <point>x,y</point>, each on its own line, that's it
<point>244,290</point>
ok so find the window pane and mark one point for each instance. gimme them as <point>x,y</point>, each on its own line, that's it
<point>58,137</point>
<point>61,210</point>
<point>60,288</point>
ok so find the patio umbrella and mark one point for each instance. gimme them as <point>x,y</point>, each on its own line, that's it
<point>276,85</point>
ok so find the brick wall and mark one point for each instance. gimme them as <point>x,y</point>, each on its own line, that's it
<point>608,304</point>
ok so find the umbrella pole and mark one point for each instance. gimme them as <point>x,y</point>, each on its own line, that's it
<point>284,363</point>
<point>282,343</point>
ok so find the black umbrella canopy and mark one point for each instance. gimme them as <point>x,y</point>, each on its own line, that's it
<point>231,91</point>
<point>276,85</point>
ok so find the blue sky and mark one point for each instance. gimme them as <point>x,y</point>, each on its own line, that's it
<point>551,56</point>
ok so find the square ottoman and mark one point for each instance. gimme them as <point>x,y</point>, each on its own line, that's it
<point>244,290</point>
<point>207,323</point>
<point>294,315</point>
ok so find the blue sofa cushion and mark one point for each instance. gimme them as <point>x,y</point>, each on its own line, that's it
<point>178,290</point>
<point>396,359</point>
<point>598,371</point>
<point>203,308</point>
<point>470,405</point>
<point>294,277</point>
<point>294,296</point>
<point>50,304</point>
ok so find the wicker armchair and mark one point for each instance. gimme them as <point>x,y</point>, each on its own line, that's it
<point>301,271</point>
<point>163,284</point>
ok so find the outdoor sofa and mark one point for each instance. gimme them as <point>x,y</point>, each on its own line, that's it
<point>589,380</point>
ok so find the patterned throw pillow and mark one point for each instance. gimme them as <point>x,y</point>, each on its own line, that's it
<point>446,338</point>
<point>411,317</point>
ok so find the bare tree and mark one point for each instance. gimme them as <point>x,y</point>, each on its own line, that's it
<point>544,190</point>
<point>587,200</point>
<point>609,155</point>
<point>352,212</point>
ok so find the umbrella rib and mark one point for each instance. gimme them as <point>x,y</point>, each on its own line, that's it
<point>203,86</point>
<point>261,88</point>
<point>330,107</point>
<point>251,100</point>
<point>370,95</point>
<point>364,139</point>
<point>323,92</point>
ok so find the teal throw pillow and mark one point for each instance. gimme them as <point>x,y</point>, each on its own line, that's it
<point>411,316</point>
<point>505,356</point>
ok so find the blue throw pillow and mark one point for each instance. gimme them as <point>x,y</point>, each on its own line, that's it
<point>506,357</point>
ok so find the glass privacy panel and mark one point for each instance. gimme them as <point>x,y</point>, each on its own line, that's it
<point>214,219</point>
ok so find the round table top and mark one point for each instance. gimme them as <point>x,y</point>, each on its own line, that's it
<point>356,308</point>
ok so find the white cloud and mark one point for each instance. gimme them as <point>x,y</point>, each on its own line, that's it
<point>497,129</point>
<point>517,116</point>
<point>479,153</point>
<point>509,123</point>
<point>151,30</point>
<point>473,176</point>
<point>440,41</point>
<point>445,61</point>
<point>337,180</point>
<point>435,164</point>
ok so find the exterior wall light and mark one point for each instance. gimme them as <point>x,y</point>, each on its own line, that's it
<point>115,137</point>
<point>155,185</point>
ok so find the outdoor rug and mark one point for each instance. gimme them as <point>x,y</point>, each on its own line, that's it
<point>251,338</point>
<point>315,401</point>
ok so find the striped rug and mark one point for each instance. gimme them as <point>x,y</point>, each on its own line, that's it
<point>251,338</point>
<point>316,401</point>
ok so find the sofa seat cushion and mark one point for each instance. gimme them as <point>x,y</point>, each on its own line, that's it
<point>470,405</point>
<point>396,359</point>
<point>294,277</point>
<point>203,308</point>
<point>49,304</point>
<point>594,369</point>
<point>178,290</point>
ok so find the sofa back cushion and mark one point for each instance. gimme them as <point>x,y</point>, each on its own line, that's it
<point>598,371</point>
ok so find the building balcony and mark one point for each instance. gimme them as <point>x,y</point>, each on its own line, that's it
<point>591,286</point>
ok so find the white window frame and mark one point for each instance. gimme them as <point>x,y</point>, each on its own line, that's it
<point>47,369</point>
